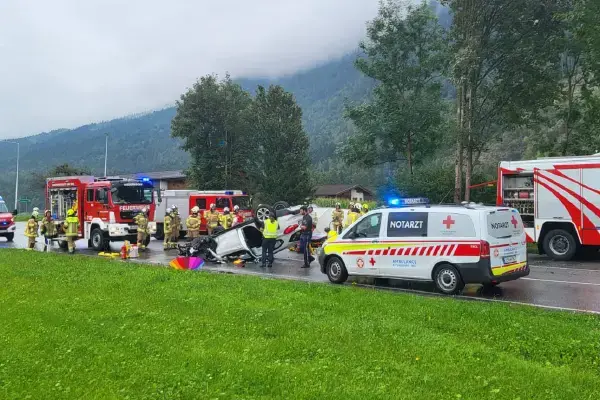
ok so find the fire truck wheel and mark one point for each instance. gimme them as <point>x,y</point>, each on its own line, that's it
<point>10,237</point>
<point>98,241</point>
<point>560,245</point>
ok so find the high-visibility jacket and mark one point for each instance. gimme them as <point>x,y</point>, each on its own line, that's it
<point>337,217</point>
<point>193,223</point>
<point>168,224</point>
<point>270,229</point>
<point>212,218</point>
<point>352,217</point>
<point>142,223</point>
<point>176,221</point>
<point>72,226</point>
<point>31,229</point>
<point>48,227</point>
<point>226,221</point>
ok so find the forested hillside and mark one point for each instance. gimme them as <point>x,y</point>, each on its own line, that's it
<point>143,142</point>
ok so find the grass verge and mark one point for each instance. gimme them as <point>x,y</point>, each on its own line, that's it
<point>81,327</point>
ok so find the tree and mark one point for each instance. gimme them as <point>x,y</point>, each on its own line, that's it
<point>211,121</point>
<point>405,52</point>
<point>279,166</point>
<point>39,178</point>
<point>503,69</point>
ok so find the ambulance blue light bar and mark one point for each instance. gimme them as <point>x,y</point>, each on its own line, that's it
<point>407,202</point>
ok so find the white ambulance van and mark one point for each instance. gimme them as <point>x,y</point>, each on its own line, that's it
<point>449,245</point>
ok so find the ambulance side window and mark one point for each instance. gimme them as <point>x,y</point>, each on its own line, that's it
<point>368,227</point>
<point>222,202</point>
<point>407,224</point>
<point>201,203</point>
<point>90,195</point>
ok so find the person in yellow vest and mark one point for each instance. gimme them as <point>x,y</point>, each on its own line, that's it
<point>331,234</point>
<point>352,216</point>
<point>71,227</point>
<point>48,229</point>
<point>365,209</point>
<point>193,223</point>
<point>167,229</point>
<point>337,218</point>
<point>212,217</point>
<point>31,231</point>
<point>176,227</point>
<point>141,220</point>
<point>269,231</point>
<point>226,218</point>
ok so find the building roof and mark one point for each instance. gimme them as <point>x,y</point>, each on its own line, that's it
<point>156,176</point>
<point>336,190</point>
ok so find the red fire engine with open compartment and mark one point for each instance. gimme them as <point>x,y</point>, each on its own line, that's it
<point>106,207</point>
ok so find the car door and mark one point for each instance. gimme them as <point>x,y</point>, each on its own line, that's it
<point>361,249</point>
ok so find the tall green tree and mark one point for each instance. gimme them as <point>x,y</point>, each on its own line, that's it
<point>503,69</point>
<point>211,120</point>
<point>39,178</point>
<point>279,166</point>
<point>405,51</point>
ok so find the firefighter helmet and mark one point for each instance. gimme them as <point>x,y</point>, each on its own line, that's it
<point>236,208</point>
<point>358,206</point>
<point>226,209</point>
<point>169,210</point>
<point>337,205</point>
<point>365,206</point>
<point>195,210</point>
<point>144,210</point>
<point>213,205</point>
<point>70,213</point>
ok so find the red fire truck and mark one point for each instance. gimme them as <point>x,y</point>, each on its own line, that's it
<point>105,206</point>
<point>559,202</point>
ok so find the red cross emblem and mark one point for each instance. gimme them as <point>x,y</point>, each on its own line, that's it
<point>372,261</point>
<point>448,222</point>
<point>514,221</point>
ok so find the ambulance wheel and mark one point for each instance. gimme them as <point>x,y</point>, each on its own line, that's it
<point>10,237</point>
<point>560,245</point>
<point>336,270</point>
<point>97,240</point>
<point>447,279</point>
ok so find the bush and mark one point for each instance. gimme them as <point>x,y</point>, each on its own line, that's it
<point>330,203</point>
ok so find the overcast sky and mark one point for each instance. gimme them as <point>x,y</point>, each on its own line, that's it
<point>64,63</point>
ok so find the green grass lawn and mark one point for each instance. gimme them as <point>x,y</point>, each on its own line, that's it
<point>22,217</point>
<point>82,327</point>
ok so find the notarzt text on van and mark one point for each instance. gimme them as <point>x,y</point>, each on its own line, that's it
<point>499,225</point>
<point>406,224</point>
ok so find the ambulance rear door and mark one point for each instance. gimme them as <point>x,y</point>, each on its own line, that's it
<point>507,241</point>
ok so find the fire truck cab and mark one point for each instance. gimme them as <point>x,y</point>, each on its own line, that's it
<point>558,199</point>
<point>185,200</point>
<point>105,207</point>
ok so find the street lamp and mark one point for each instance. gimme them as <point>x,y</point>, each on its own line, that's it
<point>17,180</point>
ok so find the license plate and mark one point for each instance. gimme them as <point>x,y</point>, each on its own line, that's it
<point>509,259</point>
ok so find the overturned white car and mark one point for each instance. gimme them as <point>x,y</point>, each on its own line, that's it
<point>245,240</point>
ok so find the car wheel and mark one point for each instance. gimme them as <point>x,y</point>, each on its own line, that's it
<point>560,245</point>
<point>262,212</point>
<point>98,241</point>
<point>447,279</point>
<point>10,237</point>
<point>280,205</point>
<point>336,270</point>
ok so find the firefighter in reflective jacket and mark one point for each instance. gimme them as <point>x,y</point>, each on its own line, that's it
<point>353,215</point>
<point>71,227</point>
<point>226,219</point>
<point>48,229</point>
<point>141,220</point>
<point>365,209</point>
<point>337,218</point>
<point>167,229</point>
<point>212,217</point>
<point>176,227</point>
<point>31,231</point>
<point>193,223</point>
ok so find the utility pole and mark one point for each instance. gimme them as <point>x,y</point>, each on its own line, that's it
<point>105,153</point>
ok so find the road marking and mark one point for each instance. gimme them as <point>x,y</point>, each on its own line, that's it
<point>553,281</point>
<point>565,268</point>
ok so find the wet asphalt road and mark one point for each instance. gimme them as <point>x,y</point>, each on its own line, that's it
<point>571,285</point>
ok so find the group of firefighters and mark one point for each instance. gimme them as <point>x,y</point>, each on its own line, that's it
<point>355,210</point>
<point>215,222</point>
<point>49,229</point>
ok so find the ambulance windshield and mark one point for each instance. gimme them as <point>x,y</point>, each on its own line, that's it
<point>3,208</point>
<point>131,194</point>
